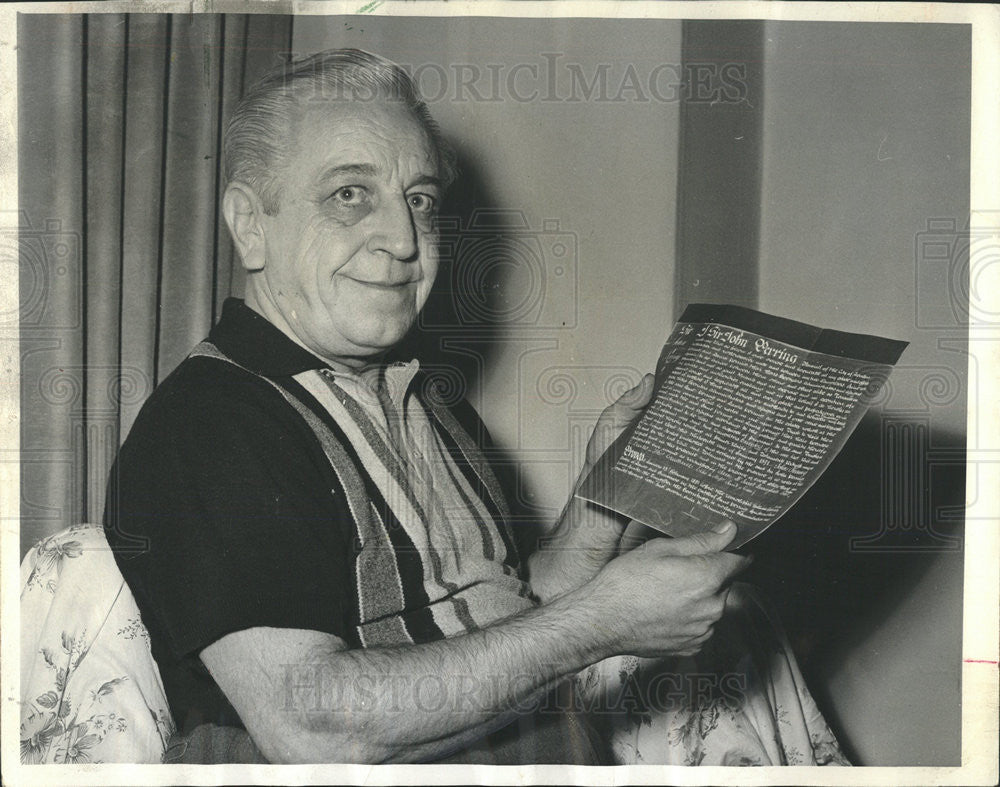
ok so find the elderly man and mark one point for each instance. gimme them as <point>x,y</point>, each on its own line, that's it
<point>328,562</point>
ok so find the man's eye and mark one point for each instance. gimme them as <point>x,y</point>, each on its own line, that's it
<point>350,195</point>
<point>422,203</point>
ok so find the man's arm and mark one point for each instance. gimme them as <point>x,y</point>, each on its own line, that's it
<point>420,702</point>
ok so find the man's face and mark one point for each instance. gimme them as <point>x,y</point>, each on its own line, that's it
<point>350,255</point>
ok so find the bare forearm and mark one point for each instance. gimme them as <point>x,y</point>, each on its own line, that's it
<point>305,696</point>
<point>418,702</point>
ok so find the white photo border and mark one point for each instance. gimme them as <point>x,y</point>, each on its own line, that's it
<point>980,686</point>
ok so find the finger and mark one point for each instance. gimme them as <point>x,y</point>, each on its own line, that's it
<point>729,565</point>
<point>704,543</point>
<point>724,598</point>
<point>625,408</point>
<point>714,607</point>
<point>617,417</point>
<point>637,397</point>
<point>704,637</point>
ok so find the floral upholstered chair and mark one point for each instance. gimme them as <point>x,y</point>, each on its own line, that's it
<point>90,690</point>
<point>742,700</point>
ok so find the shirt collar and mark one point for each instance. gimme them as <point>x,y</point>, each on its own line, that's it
<point>258,345</point>
<point>394,379</point>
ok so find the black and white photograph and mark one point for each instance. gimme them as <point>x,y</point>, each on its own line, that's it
<point>582,393</point>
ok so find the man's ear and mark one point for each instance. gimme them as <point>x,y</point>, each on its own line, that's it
<point>243,211</point>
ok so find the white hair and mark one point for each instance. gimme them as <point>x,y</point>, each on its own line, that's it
<point>254,139</point>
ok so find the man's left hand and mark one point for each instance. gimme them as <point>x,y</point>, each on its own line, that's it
<point>586,536</point>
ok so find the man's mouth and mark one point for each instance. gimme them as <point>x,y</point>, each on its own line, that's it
<point>385,285</point>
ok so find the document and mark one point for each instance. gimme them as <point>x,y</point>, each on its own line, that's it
<point>748,410</point>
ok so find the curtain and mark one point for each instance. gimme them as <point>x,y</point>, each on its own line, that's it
<point>124,260</point>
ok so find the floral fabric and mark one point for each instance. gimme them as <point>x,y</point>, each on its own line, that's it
<point>741,701</point>
<point>90,690</point>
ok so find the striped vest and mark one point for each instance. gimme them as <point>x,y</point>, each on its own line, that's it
<point>418,575</point>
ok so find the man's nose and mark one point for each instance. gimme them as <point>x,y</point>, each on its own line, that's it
<point>393,231</point>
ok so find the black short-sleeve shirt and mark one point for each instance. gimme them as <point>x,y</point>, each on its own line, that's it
<point>224,512</point>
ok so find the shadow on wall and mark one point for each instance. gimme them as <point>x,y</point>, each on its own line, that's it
<point>477,296</point>
<point>854,549</point>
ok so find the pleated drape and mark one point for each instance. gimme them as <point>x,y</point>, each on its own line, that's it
<point>124,261</point>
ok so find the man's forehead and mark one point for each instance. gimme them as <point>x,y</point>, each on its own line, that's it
<point>366,136</point>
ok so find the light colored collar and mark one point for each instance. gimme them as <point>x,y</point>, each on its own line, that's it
<point>363,383</point>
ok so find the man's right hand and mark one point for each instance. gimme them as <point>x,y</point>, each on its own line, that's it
<point>663,597</point>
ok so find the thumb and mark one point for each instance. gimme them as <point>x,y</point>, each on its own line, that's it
<point>617,417</point>
<point>702,543</point>
<point>638,397</point>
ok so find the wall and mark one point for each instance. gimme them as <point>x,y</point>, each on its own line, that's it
<point>865,138</point>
